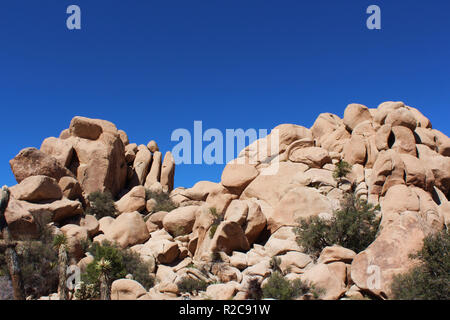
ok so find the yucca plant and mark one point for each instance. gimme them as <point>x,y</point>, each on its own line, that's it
<point>104,268</point>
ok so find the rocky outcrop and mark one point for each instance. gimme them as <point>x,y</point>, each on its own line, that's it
<point>229,231</point>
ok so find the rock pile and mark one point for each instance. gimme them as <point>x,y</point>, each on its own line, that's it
<point>398,161</point>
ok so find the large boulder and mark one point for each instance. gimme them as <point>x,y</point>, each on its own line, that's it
<point>127,230</point>
<point>21,222</point>
<point>60,149</point>
<point>325,124</point>
<point>58,210</point>
<point>229,237</point>
<point>76,236</point>
<point>164,250</point>
<point>301,202</point>
<point>328,277</point>
<point>388,170</point>
<point>314,157</point>
<point>236,177</point>
<point>255,222</point>
<point>439,166</point>
<point>126,289</point>
<point>134,200</point>
<point>355,114</point>
<point>32,162</point>
<point>271,188</point>
<point>36,189</point>
<point>374,268</point>
<point>155,170</point>
<point>398,199</point>
<point>167,172</point>
<point>141,164</point>
<point>71,188</point>
<point>180,221</point>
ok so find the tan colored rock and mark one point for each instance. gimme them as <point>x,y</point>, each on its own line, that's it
<point>168,172</point>
<point>220,199</point>
<point>384,109</point>
<point>389,254</point>
<point>336,253</point>
<point>314,157</point>
<point>21,222</point>
<point>105,223</point>
<point>238,260</point>
<point>222,291</point>
<point>426,137</point>
<point>157,218</point>
<point>294,261</point>
<point>301,202</point>
<point>58,210</point>
<point>125,289</point>
<point>36,189</point>
<point>439,165</point>
<point>180,221</point>
<point>382,137</point>
<point>417,173</point>
<point>404,140</point>
<point>401,117</point>
<point>141,163</point>
<point>271,188</point>
<point>153,146</point>
<point>236,177</point>
<point>127,230</point>
<point>91,224</point>
<point>134,200</point>
<point>388,170</point>
<point>237,211</point>
<point>335,141</point>
<point>288,133</point>
<point>442,142</point>
<point>124,137</point>
<point>59,149</point>
<point>355,114</point>
<point>165,251</point>
<point>255,222</point>
<point>71,188</point>
<point>355,151</point>
<point>155,170</point>
<point>325,124</point>
<point>84,262</point>
<point>32,162</point>
<point>130,152</point>
<point>85,128</point>
<point>328,278</point>
<point>76,235</point>
<point>229,237</point>
<point>397,200</point>
<point>422,121</point>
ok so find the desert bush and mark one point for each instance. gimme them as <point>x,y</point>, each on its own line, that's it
<point>217,219</point>
<point>189,285</point>
<point>101,205</point>
<point>122,262</point>
<point>254,290</point>
<point>280,288</point>
<point>163,201</point>
<point>431,279</point>
<point>354,226</point>
<point>341,169</point>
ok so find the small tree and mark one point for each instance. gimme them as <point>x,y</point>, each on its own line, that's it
<point>101,205</point>
<point>341,170</point>
<point>431,279</point>
<point>189,285</point>
<point>355,226</point>
<point>280,288</point>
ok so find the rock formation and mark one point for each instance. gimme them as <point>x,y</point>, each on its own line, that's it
<point>398,161</point>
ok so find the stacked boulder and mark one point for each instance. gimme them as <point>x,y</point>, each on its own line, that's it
<point>226,233</point>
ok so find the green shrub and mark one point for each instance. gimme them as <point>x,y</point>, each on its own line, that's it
<point>101,205</point>
<point>189,285</point>
<point>123,262</point>
<point>280,288</point>
<point>431,279</point>
<point>254,291</point>
<point>341,169</point>
<point>355,226</point>
<point>163,201</point>
<point>275,264</point>
<point>217,219</point>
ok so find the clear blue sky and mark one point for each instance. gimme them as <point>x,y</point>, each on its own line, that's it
<point>154,66</point>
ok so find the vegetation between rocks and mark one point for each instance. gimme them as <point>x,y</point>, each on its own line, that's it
<point>354,226</point>
<point>280,288</point>
<point>431,279</point>
<point>101,205</point>
<point>163,201</point>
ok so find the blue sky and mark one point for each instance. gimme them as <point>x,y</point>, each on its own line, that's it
<point>154,66</point>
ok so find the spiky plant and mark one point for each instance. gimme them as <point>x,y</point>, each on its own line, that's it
<point>104,268</point>
<point>60,243</point>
